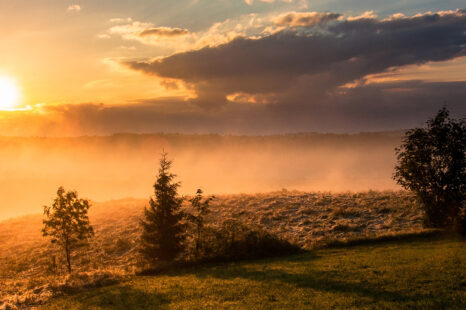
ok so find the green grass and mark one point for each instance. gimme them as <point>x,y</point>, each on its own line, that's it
<point>420,274</point>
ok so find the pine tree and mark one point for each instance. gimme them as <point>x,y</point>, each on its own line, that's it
<point>163,233</point>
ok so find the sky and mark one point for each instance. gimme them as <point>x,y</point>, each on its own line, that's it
<point>85,67</point>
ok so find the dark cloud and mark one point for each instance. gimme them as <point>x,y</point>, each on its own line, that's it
<point>291,81</point>
<point>163,32</point>
<point>303,64</point>
<point>374,107</point>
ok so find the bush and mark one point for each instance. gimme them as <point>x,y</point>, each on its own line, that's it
<point>235,241</point>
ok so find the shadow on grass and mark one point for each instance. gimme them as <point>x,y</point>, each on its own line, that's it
<point>117,297</point>
<point>307,254</point>
<point>181,267</point>
<point>329,281</point>
<point>427,236</point>
<point>129,297</point>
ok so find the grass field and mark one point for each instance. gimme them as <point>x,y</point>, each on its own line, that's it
<point>416,274</point>
<point>31,270</point>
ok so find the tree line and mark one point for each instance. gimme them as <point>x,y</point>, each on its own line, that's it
<point>430,163</point>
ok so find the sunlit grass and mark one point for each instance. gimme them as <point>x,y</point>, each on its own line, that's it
<point>394,275</point>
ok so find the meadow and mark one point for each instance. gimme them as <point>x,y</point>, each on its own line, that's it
<point>428,273</point>
<point>32,271</point>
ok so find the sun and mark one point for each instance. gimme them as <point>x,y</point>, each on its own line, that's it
<point>9,93</point>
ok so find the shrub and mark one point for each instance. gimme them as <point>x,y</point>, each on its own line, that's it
<point>200,208</point>
<point>234,240</point>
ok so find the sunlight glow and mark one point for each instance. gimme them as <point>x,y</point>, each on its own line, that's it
<point>9,93</point>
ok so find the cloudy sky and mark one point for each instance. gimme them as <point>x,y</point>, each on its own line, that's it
<point>90,67</point>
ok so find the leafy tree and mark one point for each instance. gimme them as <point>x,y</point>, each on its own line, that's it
<point>431,163</point>
<point>66,222</point>
<point>201,207</point>
<point>163,232</point>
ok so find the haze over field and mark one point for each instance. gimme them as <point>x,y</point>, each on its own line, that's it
<point>248,67</point>
<point>125,165</point>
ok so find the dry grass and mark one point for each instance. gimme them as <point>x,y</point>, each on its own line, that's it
<point>31,271</point>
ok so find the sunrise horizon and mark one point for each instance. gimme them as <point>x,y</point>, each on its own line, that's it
<point>232,154</point>
<point>98,69</point>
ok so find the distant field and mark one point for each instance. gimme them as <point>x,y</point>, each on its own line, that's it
<point>30,276</point>
<point>395,275</point>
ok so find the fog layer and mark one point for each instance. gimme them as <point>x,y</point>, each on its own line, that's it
<point>125,165</point>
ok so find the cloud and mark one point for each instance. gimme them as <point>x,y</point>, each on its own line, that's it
<point>364,15</point>
<point>119,20</point>
<point>250,2</point>
<point>103,36</point>
<point>176,39</point>
<point>292,62</point>
<point>128,48</point>
<point>372,107</point>
<point>74,8</point>
<point>147,33</point>
<point>163,32</point>
<point>305,19</point>
<point>133,28</point>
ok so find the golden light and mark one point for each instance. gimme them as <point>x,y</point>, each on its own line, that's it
<point>9,93</point>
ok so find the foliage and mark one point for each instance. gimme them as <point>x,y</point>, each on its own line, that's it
<point>67,222</point>
<point>198,219</point>
<point>431,163</point>
<point>235,240</point>
<point>163,232</point>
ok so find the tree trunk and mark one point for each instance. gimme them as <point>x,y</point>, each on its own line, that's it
<point>68,258</point>
<point>197,241</point>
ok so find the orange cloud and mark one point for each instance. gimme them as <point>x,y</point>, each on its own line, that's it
<point>305,19</point>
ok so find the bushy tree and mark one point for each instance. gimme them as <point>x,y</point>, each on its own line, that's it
<point>201,208</point>
<point>67,222</point>
<point>163,232</point>
<point>431,163</point>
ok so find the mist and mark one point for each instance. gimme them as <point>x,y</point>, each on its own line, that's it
<point>102,168</point>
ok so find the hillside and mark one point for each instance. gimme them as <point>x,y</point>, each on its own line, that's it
<point>28,262</point>
<point>423,274</point>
